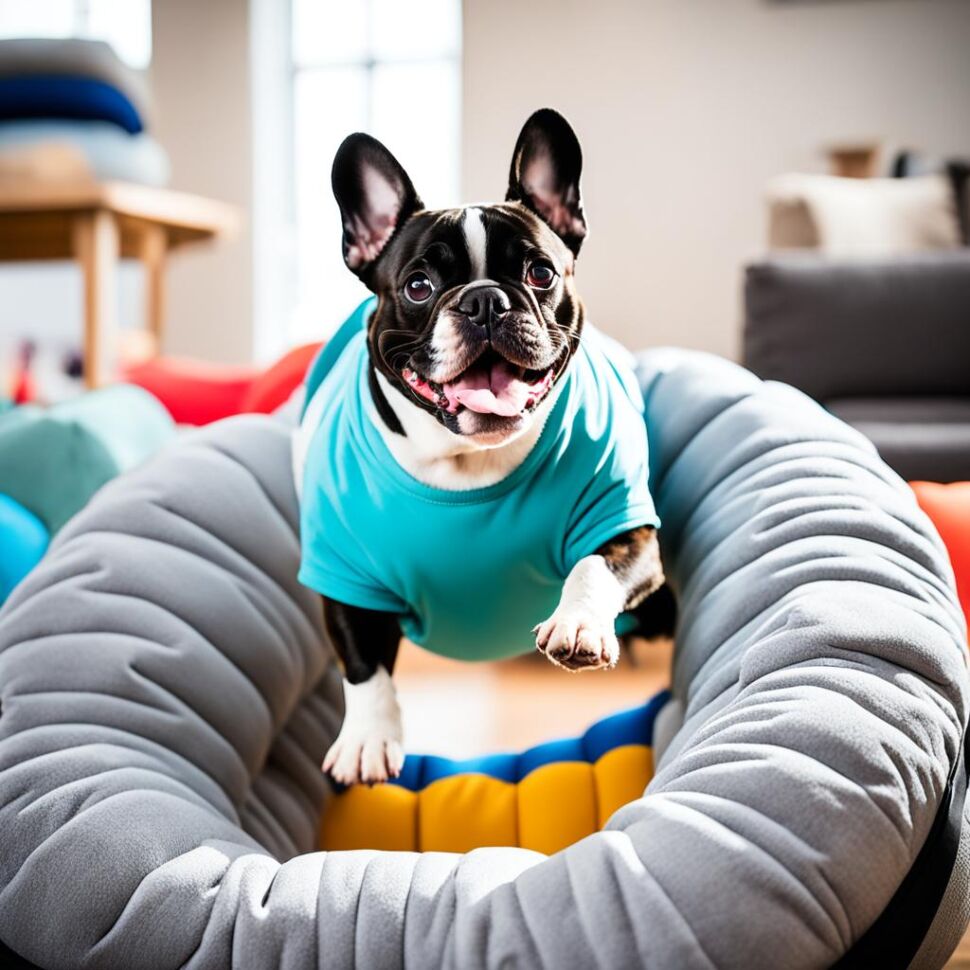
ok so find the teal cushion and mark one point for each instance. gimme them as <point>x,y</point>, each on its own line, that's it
<point>52,460</point>
<point>23,540</point>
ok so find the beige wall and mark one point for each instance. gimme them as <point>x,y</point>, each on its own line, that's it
<point>200,84</point>
<point>685,108</point>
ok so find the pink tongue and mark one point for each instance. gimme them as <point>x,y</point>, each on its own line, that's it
<point>496,391</point>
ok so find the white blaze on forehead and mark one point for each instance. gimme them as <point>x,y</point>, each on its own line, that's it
<point>473,225</point>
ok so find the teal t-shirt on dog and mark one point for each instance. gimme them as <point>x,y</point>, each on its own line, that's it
<point>470,572</point>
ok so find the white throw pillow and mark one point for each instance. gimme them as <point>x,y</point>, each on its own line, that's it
<point>843,216</point>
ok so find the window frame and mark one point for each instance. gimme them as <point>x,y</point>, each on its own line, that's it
<point>280,299</point>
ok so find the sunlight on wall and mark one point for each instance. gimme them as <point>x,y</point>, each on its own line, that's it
<point>125,24</point>
<point>380,66</point>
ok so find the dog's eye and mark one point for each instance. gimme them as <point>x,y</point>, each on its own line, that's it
<point>540,275</point>
<point>418,288</point>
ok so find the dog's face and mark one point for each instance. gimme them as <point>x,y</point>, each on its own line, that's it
<point>477,317</point>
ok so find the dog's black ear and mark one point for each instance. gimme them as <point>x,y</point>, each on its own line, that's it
<point>375,196</point>
<point>546,166</point>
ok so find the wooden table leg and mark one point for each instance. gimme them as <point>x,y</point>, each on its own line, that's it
<point>97,248</point>
<point>154,246</point>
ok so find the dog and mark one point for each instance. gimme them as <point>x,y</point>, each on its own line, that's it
<point>472,458</point>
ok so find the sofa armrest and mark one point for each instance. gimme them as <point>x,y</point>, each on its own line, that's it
<point>835,328</point>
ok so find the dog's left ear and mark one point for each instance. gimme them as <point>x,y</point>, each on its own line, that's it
<point>546,166</point>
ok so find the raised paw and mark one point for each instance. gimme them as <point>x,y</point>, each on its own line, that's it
<point>577,639</point>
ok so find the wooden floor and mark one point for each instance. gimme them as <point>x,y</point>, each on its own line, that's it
<point>961,958</point>
<point>462,710</point>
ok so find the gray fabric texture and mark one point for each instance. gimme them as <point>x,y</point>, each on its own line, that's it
<point>895,326</point>
<point>902,410</point>
<point>166,698</point>
<point>856,333</point>
<point>921,438</point>
<point>954,913</point>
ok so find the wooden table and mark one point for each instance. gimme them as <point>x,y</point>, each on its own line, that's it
<point>99,224</point>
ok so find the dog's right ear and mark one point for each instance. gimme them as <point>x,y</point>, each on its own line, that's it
<point>375,196</point>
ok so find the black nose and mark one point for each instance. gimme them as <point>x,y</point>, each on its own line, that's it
<point>484,304</point>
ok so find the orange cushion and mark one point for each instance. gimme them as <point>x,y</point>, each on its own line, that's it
<point>949,508</point>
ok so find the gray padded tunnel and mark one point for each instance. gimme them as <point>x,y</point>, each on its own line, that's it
<point>167,698</point>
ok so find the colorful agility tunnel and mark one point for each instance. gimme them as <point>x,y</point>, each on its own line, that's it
<point>443,805</point>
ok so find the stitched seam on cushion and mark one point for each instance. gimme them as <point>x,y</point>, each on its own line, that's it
<point>872,582</point>
<point>849,457</point>
<point>660,888</point>
<point>682,798</point>
<point>169,616</point>
<point>357,926</point>
<point>6,614</point>
<point>97,805</point>
<point>244,581</point>
<point>285,779</point>
<point>771,858</point>
<point>259,812</point>
<point>128,731</point>
<point>536,954</point>
<point>930,580</point>
<point>240,558</point>
<point>815,761</point>
<point>213,446</point>
<point>191,795</point>
<point>123,736</point>
<point>169,715</point>
<point>88,804</point>
<point>412,857</point>
<point>217,885</point>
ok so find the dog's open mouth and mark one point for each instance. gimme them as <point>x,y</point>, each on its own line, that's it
<point>492,385</point>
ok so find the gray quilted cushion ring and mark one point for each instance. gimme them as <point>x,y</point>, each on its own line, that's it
<point>167,698</point>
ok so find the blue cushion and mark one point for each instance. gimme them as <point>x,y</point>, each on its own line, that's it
<point>50,96</point>
<point>23,539</point>
<point>628,727</point>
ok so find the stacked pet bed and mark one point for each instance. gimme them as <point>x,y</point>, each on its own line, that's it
<point>167,698</point>
<point>75,100</point>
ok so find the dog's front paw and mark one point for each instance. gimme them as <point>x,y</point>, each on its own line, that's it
<point>369,746</point>
<point>577,639</point>
<point>370,759</point>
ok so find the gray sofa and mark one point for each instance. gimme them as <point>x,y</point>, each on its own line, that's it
<point>883,343</point>
<point>167,696</point>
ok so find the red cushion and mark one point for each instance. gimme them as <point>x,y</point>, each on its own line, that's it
<point>949,508</point>
<point>194,392</point>
<point>275,385</point>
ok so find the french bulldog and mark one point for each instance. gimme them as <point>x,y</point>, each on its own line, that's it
<point>475,331</point>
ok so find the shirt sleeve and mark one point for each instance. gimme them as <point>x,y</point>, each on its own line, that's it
<point>332,561</point>
<point>617,497</point>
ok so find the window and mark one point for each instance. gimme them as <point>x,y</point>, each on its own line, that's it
<point>387,67</point>
<point>125,24</point>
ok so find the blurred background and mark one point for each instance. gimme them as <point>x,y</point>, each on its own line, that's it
<point>780,181</point>
<point>686,111</point>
